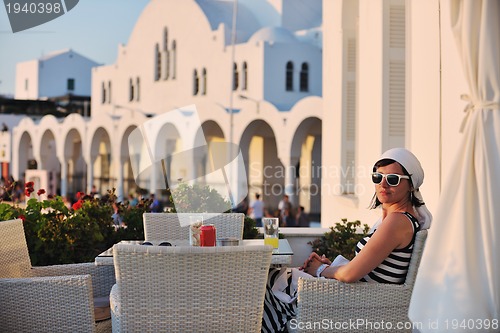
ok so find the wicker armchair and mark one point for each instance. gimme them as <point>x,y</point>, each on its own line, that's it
<point>57,298</point>
<point>367,304</point>
<point>189,289</point>
<point>166,226</point>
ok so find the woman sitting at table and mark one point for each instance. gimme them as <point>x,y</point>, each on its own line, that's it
<point>383,256</point>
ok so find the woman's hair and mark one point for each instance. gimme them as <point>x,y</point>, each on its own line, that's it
<point>386,161</point>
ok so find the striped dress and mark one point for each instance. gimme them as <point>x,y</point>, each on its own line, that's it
<point>392,270</point>
<point>395,267</point>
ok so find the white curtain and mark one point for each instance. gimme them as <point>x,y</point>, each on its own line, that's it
<point>458,283</point>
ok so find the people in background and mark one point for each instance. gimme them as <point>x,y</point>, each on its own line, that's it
<point>285,209</point>
<point>132,200</point>
<point>301,218</point>
<point>287,219</point>
<point>155,206</point>
<point>93,193</point>
<point>117,218</point>
<point>256,210</point>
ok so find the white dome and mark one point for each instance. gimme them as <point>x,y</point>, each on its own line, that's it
<point>274,35</point>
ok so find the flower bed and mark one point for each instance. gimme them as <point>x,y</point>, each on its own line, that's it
<point>58,234</point>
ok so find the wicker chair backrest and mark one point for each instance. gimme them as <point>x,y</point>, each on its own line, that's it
<point>14,257</point>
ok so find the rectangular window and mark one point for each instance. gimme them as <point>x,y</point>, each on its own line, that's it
<point>26,84</point>
<point>71,84</point>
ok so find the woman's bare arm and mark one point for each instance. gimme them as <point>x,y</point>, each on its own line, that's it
<point>395,232</point>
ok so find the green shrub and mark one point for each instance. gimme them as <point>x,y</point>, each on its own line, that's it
<point>56,234</point>
<point>249,229</point>
<point>132,217</point>
<point>201,199</point>
<point>198,199</point>
<point>341,239</point>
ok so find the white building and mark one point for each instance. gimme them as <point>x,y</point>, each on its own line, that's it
<point>400,85</point>
<point>169,62</point>
<point>55,74</point>
<point>325,85</point>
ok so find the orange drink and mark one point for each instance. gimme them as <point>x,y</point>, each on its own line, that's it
<point>271,231</point>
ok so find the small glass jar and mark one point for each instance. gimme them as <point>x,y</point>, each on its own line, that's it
<point>195,223</point>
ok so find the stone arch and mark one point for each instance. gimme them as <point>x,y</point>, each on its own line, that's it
<point>168,144</point>
<point>76,165</point>
<point>100,157</point>
<point>266,173</point>
<point>49,161</point>
<point>207,135</point>
<point>129,184</point>
<point>307,141</point>
<point>26,159</point>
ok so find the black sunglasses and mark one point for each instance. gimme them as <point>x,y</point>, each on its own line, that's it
<point>161,244</point>
<point>392,179</point>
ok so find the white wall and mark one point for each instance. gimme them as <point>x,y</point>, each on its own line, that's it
<point>55,72</point>
<point>424,100</point>
<point>276,57</point>
<point>433,87</point>
<point>47,77</point>
<point>27,72</point>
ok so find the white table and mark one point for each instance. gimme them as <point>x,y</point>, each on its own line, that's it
<point>282,256</point>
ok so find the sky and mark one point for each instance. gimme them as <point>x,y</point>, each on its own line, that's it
<point>93,28</point>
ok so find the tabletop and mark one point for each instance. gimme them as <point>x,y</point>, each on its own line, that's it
<point>281,256</point>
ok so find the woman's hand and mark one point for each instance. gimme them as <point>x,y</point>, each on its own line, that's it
<point>313,266</point>
<point>315,256</point>
<point>313,262</point>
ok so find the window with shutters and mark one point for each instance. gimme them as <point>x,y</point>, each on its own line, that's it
<point>349,162</point>
<point>109,92</point>
<point>130,90</point>
<point>165,56</point>
<point>103,93</point>
<point>304,77</point>
<point>235,76</point>
<point>138,89</point>
<point>396,123</point>
<point>174,59</point>
<point>289,76</point>
<point>71,84</point>
<point>244,76</point>
<point>204,81</point>
<point>196,82</point>
<point>157,62</point>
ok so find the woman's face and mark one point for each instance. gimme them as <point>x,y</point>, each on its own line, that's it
<point>387,194</point>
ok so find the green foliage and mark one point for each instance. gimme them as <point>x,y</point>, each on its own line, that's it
<point>249,229</point>
<point>56,234</point>
<point>198,199</point>
<point>132,216</point>
<point>8,212</point>
<point>202,199</point>
<point>341,239</point>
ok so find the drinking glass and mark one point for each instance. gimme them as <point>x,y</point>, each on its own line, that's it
<point>271,230</point>
<point>195,223</point>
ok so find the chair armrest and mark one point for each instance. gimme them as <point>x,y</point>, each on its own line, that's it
<point>103,277</point>
<point>42,304</point>
<point>338,302</point>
